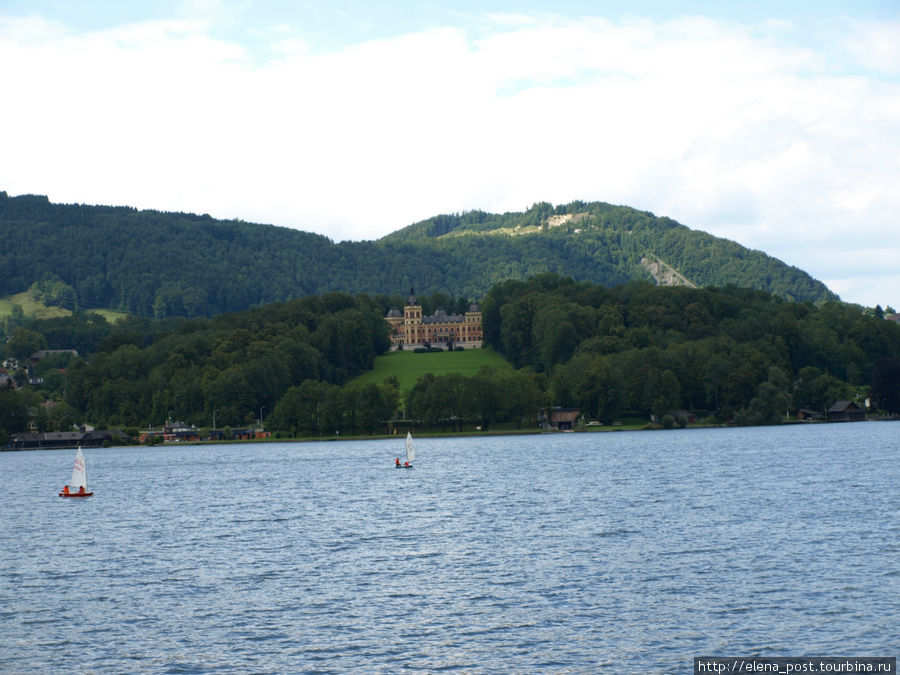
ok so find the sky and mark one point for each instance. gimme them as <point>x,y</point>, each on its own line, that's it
<point>774,124</point>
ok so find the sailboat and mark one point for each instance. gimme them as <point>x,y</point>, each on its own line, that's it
<point>410,453</point>
<point>77,486</point>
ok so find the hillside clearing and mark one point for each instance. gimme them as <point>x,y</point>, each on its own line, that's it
<point>30,307</point>
<point>34,309</point>
<point>409,367</point>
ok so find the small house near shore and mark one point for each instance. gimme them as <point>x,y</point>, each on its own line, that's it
<point>564,419</point>
<point>172,432</point>
<point>845,411</point>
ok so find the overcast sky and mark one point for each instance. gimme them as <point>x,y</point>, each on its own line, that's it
<point>775,124</point>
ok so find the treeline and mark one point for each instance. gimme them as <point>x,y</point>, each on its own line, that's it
<point>445,402</point>
<point>739,355</point>
<point>234,366</point>
<point>724,354</point>
<point>159,264</point>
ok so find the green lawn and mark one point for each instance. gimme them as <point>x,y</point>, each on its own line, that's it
<point>38,310</point>
<point>408,367</point>
<point>111,315</point>
<point>30,307</point>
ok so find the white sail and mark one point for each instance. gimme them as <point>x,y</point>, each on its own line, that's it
<point>410,450</point>
<point>79,473</point>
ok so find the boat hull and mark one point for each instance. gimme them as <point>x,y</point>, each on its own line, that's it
<point>75,494</point>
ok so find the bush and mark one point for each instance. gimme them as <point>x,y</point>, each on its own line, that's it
<point>668,422</point>
<point>682,421</point>
<point>420,350</point>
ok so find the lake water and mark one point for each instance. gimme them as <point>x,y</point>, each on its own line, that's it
<point>619,552</point>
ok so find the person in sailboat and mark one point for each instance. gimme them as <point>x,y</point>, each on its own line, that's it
<point>65,489</point>
<point>80,490</point>
<point>397,462</point>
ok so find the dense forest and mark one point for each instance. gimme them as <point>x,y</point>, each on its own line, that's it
<point>723,355</point>
<point>144,371</point>
<point>157,264</point>
<point>738,354</point>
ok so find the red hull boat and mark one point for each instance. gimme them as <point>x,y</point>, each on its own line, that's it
<point>76,494</point>
<point>77,487</point>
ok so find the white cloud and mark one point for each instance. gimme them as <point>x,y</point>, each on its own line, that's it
<point>875,45</point>
<point>725,127</point>
<point>31,29</point>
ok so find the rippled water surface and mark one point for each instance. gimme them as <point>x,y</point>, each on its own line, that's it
<point>621,552</point>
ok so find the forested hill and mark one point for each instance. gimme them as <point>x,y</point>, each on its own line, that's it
<point>622,244</point>
<point>162,264</point>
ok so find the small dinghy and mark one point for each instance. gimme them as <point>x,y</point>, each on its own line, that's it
<point>77,486</point>
<point>410,454</point>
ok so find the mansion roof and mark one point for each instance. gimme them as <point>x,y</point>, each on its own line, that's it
<point>440,316</point>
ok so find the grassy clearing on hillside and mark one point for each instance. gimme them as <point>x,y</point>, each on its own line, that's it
<point>409,367</point>
<point>111,315</point>
<point>38,310</point>
<point>30,307</point>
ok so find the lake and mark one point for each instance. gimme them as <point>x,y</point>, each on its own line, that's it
<point>618,552</point>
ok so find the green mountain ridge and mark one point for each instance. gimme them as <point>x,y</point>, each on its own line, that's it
<point>155,263</point>
<point>609,232</point>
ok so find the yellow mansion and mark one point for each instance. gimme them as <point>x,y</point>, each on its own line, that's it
<point>411,329</point>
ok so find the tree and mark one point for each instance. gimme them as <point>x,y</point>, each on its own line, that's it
<point>301,408</point>
<point>54,292</point>
<point>819,391</point>
<point>598,387</point>
<point>886,384</point>
<point>15,318</point>
<point>226,391</point>
<point>61,416</point>
<point>332,413</point>
<point>669,396</point>
<point>770,403</point>
<point>654,391</point>
<point>15,409</point>
<point>516,330</point>
<point>523,398</point>
<point>23,343</point>
<point>484,396</point>
<point>738,389</point>
<point>390,397</point>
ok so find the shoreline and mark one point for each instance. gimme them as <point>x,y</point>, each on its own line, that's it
<point>443,434</point>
